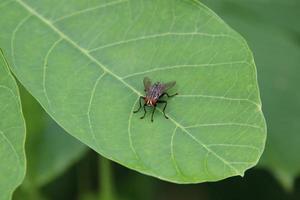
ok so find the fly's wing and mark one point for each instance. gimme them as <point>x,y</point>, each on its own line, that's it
<point>147,83</point>
<point>168,85</point>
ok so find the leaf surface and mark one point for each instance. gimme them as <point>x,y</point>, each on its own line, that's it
<point>12,133</point>
<point>85,63</point>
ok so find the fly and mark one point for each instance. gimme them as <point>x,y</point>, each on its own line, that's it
<point>154,93</point>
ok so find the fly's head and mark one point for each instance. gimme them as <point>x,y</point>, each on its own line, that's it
<point>150,101</point>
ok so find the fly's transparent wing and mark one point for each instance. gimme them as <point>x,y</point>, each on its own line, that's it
<point>147,83</point>
<point>168,85</point>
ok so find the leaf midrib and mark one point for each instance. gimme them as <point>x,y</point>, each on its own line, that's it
<point>86,53</point>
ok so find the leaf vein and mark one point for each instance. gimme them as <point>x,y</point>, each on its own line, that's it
<point>218,97</point>
<point>90,106</point>
<point>19,25</point>
<point>79,12</point>
<point>235,145</point>
<point>182,67</point>
<point>46,59</point>
<point>173,155</point>
<point>154,36</point>
<point>14,152</point>
<point>225,124</point>
<point>129,130</point>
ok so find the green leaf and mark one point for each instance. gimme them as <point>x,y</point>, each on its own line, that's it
<point>276,48</point>
<point>50,151</point>
<point>12,133</point>
<point>84,62</point>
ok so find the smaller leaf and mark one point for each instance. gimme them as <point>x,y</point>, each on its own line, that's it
<point>12,133</point>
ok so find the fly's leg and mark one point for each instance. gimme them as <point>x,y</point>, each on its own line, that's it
<point>142,117</point>
<point>166,103</point>
<point>153,113</point>
<point>163,94</point>
<point>140,105</point>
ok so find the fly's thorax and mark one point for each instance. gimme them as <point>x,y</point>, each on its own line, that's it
<point>155,91</point>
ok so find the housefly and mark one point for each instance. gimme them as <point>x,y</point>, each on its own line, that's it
<point>154,93</point>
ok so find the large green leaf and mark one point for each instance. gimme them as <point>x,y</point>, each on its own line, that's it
<point>12,133</point>
<point>84,61</point>
<point>276,48</point>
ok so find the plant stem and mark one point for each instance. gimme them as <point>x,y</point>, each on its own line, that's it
<point>83,178</point>
<point>106,188</point>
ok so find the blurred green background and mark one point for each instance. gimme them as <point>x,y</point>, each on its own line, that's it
<point>66,169</point>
